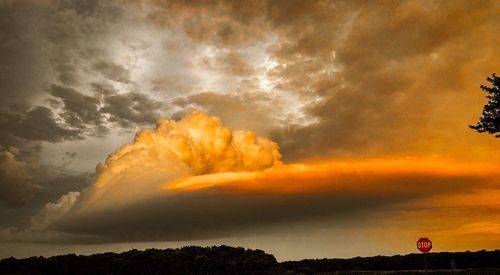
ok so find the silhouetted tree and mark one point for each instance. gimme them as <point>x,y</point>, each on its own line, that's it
<point>490,121</point>
<point>186,260</point>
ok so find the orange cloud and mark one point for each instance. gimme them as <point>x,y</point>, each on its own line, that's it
<point>366,176</point>
<point>399,195</point>
<point>198,144</point>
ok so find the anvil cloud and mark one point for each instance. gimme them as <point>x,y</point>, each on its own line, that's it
<point>195,179</point>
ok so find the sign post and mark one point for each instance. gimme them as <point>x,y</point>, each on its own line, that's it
<point>424,245</point>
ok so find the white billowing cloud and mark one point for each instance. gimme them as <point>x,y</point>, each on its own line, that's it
<point>53,211</point>
<point>205,146</point>
<point>197,144</point>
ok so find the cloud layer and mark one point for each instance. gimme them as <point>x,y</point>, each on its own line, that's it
<point>304,69</point>
<point>195,179</point>
<point>231,204</point>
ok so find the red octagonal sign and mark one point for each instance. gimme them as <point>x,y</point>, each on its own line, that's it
<point>424,244</point>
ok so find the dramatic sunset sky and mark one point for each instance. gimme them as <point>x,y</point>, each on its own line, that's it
<point>308,129</point>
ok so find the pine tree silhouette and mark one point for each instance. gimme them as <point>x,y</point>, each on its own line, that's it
<point>490,121</point>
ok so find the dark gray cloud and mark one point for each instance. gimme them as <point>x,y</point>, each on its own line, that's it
<point>16,186</point>
<point>209,21</point>
<point>55,48</point>
<point>75,116</point>
<point>79,109</point>
<point>132,109</point>
<point>357,77</point>
<point>34,124</point>
<point>72,34</point>
<point>43,41</point>
<point>21,56</point>
<point>106,106</point>
<point>27,184</point>
<point>47,183</point>
<point>112,71</point>
<point>52,54</point>
<point>81,115</point>
<point>367,83</point>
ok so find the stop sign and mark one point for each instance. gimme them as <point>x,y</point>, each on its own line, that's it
<point>424,244</point>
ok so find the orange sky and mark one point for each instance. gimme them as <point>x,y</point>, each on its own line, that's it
<point>279,124</point>
<point>455,204</point>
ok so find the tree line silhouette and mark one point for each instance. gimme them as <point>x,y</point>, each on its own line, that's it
<point>232,260</point>
<point>435,261</point>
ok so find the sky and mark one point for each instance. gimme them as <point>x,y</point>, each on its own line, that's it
<point>308,129</point>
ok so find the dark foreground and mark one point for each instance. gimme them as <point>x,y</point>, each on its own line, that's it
<point>230,260</point>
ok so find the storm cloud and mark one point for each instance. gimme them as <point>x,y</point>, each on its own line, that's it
<point>35,124</point>
<point>366,82</point>
<point>325,81</point>
<point>272,200</point>
<point>16,186</point>
<point>203,181</point>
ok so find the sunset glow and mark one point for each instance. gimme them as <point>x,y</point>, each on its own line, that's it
<point>309,129</point>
